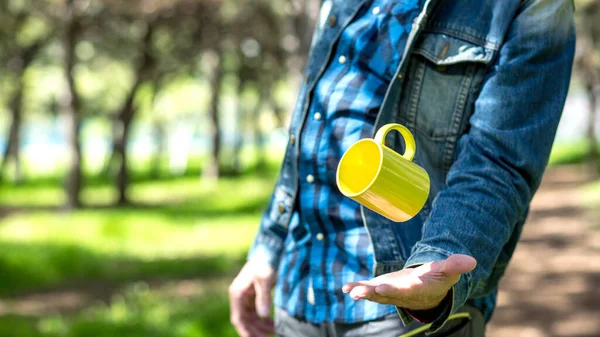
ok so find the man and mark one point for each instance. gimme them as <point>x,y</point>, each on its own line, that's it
<point>481,84</point>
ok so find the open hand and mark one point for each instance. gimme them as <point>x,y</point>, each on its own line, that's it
<point>418,288</point>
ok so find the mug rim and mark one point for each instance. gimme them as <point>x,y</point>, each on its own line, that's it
<point>337,174</point>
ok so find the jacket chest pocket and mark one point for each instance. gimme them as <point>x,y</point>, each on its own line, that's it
<point>444,77</point>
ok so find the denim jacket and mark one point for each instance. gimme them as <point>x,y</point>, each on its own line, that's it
<point>481,85</point>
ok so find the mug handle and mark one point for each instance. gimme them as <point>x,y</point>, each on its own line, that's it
<point>409,140</point>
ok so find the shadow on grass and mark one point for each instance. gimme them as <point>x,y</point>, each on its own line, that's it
<point>136,313</point>
<point>28,266</point>
<point>69,291</point>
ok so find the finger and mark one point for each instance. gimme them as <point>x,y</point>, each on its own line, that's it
<point>253,331</point>
<point>267,321</point>
<point>253,326</point>
<point>262,327</point>
<point>241,312</point>
<point>248,303</point>
<point>351,285</point>
<point>458,264</point>
<point>375,297</point>
<point>266,326</point>
<point>362,291</point>
<point>262,288</point>
<point>242,327</point>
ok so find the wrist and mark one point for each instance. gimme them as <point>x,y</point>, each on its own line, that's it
<point>430,315</point>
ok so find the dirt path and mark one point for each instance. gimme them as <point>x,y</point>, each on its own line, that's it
<point>552,286</point>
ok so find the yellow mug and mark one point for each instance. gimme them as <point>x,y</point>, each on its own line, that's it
<point>384,180</point>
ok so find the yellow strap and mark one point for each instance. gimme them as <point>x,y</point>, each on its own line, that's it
<point>427,326</point>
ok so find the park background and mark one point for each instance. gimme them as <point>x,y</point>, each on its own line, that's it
<point>140,141</point>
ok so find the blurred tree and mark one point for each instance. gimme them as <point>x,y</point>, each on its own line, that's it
<point>151,44</point>
<point>127,111</point>
<point>168,47</point>
<point>258,36</point>
<point>71,102</point>
<point>125,32</point>
<point>302,16</point>
<point>24,32</point>
<point>236,162</point>
<point>212,168</point>
<point>587,65</point>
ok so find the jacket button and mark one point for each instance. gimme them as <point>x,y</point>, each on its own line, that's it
<point>310,179</point>
<point>317,116</point>
<point>292,140</point>
<point>332,21</point>
<point>320,236</point>
<point>281,208</point>
<point>400,75</point>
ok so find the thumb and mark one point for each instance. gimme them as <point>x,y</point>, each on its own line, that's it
<point>262,287</point>
<point>456,264</point>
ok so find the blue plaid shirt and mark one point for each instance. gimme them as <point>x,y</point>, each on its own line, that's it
<point>327,244</point>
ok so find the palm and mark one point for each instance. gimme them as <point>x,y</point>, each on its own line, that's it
<point>420,288</point>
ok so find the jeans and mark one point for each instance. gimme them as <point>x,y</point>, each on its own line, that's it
<point>388,326</point>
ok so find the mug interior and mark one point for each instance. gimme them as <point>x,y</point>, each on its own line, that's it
<point>359,167</point>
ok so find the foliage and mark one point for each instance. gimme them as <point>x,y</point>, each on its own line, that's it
<point>572,152</point>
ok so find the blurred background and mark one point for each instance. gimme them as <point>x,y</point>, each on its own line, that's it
<point>140,141</point>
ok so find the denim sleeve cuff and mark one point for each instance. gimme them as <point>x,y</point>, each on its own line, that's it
<point>460,291</point>
<point>267,249</point>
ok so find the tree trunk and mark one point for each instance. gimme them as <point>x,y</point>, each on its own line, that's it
<point>12,150</point>
<point>71,105</point>
<point>590,76</point>
<point>120,147</point>
<point>26,57</point>
<point>591,130</point>
<point>211,171</point>
<point>236,162</point>
<point>259,137</point>
<point>126,114</point>
<point>124,118</point>
<point>303,22</point>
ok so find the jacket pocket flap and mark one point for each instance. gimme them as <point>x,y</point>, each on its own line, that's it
<point>442,49</point>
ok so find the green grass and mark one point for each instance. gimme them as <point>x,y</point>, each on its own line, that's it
<point>176,229</point>
<point>175,220</point>
<point>137,311</point>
